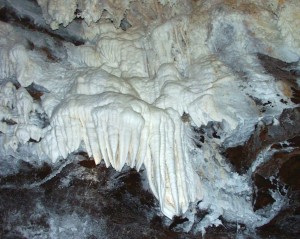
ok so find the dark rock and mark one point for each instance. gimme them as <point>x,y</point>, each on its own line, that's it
<point>242,156</point>
<point>88,163</point>
<point>262,196</point>
<point>10,15</point>
<point>124,25</point>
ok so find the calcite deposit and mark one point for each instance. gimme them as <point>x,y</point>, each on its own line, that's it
<point>201,96</point>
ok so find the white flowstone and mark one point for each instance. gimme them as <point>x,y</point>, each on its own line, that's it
<point>133,97</point>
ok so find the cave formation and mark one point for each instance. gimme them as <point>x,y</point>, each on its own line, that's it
<point>132,119</point>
